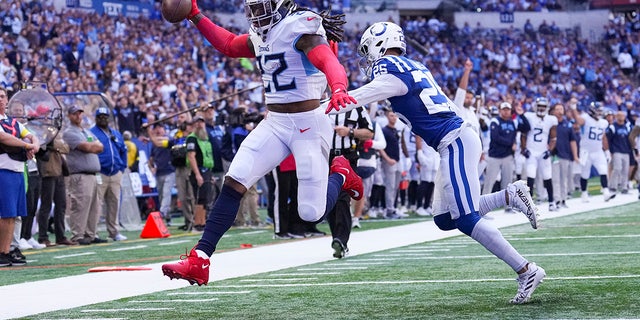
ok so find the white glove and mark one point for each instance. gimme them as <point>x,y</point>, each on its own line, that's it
<point>607,155</point>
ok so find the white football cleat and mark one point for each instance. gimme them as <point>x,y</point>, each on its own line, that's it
<point>608,195</point>
<point>528,282</point>
<point>520,199</point>
<point>584,196</point>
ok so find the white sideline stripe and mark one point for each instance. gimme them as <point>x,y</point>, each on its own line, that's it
<point>142,246</point>
<point>253,232</point>
<point>74,255</point>
<point>304,274</point>
<point>575,237</point>
<point>174,300</point>
<point>282,279</point>
<point>174,242</point>
<point>433,247</point>
<point>204,293</point>
<point>91,319</point>
<point>354,263</point>
<point>241,263</point>
<point>125,309</point>
<point>421,281</point>
<point>403,255</point>
<point>411,250</point>
<point>333,268</point>
<point>563,254</point>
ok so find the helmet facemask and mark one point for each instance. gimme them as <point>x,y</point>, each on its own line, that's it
<point>375,42</point>
<point>264,14</point>
<point>542,107</point>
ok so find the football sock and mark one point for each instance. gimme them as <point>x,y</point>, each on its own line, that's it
<point>221,217</point>
<point>333,190</point>
<point>430,186</point>
<point>530,184</point>
<point>490,237</point>
<point>491,201</point>
<point>549,186</point>
<point>583,184</point>
<point>603,181</point>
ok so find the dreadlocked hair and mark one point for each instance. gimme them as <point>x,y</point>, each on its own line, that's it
<point>332,23</point>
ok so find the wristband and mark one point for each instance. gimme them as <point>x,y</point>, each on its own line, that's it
<point>351,133</point>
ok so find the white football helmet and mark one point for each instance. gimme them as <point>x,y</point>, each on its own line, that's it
<point>264,14</point>
<point>375,41</point>
<point>542,106</point>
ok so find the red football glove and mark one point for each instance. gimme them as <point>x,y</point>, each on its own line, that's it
<point>367,145</point>
<point>340,98</point>
<point>194,10</point>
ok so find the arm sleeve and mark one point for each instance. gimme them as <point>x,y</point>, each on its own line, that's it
<point>323,58</point>
<point>379,141</point>
<point>382,87</point>
<point>227,43</point>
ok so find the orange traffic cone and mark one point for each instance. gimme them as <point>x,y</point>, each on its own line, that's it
<point>155,227</point>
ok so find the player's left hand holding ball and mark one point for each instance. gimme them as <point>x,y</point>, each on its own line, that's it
<point>340,98</point>
<point>175,11</point>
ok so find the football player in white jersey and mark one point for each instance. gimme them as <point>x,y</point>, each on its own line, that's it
<point>536,146</point>
<point>420,103</point>
<point>594,149</point>
<point>291,47</point>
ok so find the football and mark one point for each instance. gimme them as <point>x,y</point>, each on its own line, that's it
<point>175,11</point>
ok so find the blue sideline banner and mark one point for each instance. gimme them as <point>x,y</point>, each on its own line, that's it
<point>130,9</point>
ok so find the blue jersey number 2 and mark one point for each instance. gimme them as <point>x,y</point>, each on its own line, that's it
<point>433,99</point>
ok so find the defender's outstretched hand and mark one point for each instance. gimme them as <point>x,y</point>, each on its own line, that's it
<point>340,98</point>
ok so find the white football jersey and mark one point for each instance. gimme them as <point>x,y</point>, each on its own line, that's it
<point>287,74</point>
<point>538,136</point>
<point>592,132</point>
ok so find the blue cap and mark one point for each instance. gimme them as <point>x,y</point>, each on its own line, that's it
<point>102,110</point>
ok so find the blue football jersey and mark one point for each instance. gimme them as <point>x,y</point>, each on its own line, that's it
<point>424,107</point>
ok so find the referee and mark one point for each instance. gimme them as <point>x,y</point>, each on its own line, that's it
<point>350,129</point>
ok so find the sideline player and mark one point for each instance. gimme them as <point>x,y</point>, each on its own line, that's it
<point>536,145</point>
<point>594,149</point>
<point>296,62</point>
<point>420,103</point>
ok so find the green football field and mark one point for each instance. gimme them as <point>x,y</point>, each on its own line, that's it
<point>590,259</point>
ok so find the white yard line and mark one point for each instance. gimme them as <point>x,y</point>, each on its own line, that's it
<point>74,255</point>
<point>204,293</point>
<point>142,246</point>
<point>404,282</point>
<point>240,263</point>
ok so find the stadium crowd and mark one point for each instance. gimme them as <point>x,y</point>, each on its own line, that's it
<point>151,69</point>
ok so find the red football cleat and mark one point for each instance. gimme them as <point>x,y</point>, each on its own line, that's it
<point>190,267</point>
<point>352,182</point>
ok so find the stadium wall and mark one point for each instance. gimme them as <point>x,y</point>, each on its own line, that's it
<point>589,23</point>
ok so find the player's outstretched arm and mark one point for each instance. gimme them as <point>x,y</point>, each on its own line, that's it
<point>229,44</point>
<point>322,57</point>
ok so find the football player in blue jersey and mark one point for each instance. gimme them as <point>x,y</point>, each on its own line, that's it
<point>291,47</point>
<point>420,103</point>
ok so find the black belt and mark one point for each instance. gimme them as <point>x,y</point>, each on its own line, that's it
<point>342,152</point>
<point>86,173</point>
